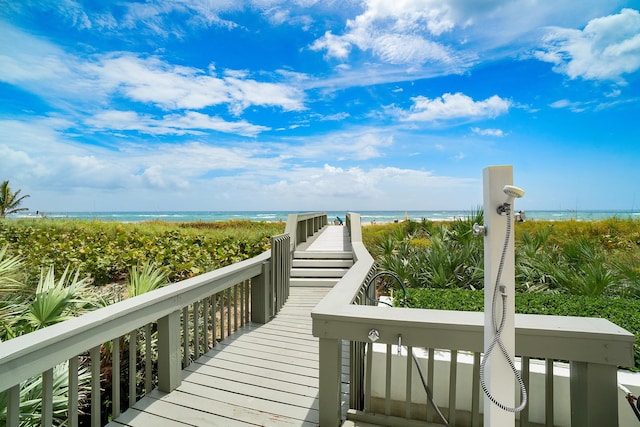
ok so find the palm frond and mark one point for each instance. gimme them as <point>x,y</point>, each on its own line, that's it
<point>144,278</point>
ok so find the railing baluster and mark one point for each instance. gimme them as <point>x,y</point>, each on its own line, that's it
<point>276,279</point>
<point>214,319</point>
<point>430,368</point>
<point>94,353</point>
<point>185,337</point>
<point>47,398</point>
<point>223,307</point>
<point>475,391</point>
<point>228,311</point>
<point>205,323</point>
<point>13,406</point>
<point>133,352</point>
<point>525,374</point>
<point>242,297</point>
<point>148,380</point>
<point>72,395</point>
<point>409,381</point>
<point>367,383</point>
<point>247,302</point>
<point>235,308</point>
<point>453,379</point>
<point>115,377</point>
<point>387,391</point>
<point>196,330</point>
<point>356,351</point>
<point>548,392</point>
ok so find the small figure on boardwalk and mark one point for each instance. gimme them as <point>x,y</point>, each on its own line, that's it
<point>338,221</point>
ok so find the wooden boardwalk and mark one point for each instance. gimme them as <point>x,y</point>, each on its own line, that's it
<point>261,375</point>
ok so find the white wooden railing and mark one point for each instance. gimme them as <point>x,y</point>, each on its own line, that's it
<point>154,335</point>
<point>594,348</point>
<point>302,226</point>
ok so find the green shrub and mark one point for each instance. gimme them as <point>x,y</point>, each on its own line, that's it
<point>580,258</point>
<point>624,312</point>
<point>106,251</point>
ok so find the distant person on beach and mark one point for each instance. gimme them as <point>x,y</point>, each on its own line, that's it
<point>339,220</point>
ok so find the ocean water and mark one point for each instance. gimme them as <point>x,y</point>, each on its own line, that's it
<point>368,217</point>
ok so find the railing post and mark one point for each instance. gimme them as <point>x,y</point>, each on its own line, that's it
<point>594,395</point>
<point>280,270</point>
<point>169,367</point>
<point>330,382</point>
<point>13,406</point>
<point>260,304</point>
<point>498,255</point>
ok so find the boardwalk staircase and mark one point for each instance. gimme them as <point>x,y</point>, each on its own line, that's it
<point>323,260</point>
<point>319,269</point>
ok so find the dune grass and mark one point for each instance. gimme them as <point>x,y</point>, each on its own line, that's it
<point>106,251</point>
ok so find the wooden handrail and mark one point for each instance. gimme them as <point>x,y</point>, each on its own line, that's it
<point>29,355</point>
<point>36,354</point>
<point>303,225</point>
<point>595,347</point>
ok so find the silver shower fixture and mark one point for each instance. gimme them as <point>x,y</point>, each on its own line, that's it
<point>512,193</point>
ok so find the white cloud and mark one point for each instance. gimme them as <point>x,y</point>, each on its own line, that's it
<point>80,85</point>
<point>250,92</point>
<point>607,48</point>
<point>190,122</point>
<point>455,106</point>
<point>576,107</point>
<point>397,32</point>
<point>488,132</point>
<point>48,71</point>
<point>39,152</point>
<point>361,188</point>
<point>364,145</point>
<point>59,172</point>
<point>336,46</point>
<point>152,80</point>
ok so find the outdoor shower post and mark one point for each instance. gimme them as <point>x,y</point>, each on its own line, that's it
<point>498,375</point>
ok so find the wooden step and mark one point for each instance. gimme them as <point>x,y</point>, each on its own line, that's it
<point>319,282</point>
<point>322,263</point>
<point>322,255</point>
<point>318,272</point>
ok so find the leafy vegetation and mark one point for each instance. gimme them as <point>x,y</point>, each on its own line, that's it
<point>568,268</point>
<point>624,312</point>
<point>569,257</point>
<point>106,251</point>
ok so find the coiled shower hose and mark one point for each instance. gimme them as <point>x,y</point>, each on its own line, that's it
<point>498,332</point>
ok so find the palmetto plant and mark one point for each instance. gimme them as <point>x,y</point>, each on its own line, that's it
<point>12,290</point>
<point>11,277</point>
<point>435,256</point>
<point>10,201</point>
<point>144,278</point>
<point>31,396</point>
<point>22,311</point>
<point>56,300</point>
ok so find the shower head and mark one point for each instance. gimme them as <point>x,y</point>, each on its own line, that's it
<point>512,193</point>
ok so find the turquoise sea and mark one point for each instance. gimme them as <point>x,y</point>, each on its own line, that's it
<point>367,216</point>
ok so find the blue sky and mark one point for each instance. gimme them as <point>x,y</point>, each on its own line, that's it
<point>318,105</point>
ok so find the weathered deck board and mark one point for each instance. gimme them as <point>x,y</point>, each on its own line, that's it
<point>333,238</point>
<point>261,375</point>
